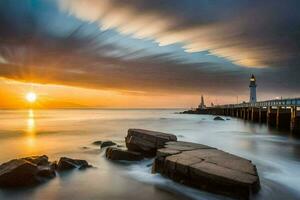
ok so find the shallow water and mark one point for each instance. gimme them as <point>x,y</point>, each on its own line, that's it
<point>59,133</point>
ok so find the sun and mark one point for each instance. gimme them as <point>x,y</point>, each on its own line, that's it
<point>31,97</point>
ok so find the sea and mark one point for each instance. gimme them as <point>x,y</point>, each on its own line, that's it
<point>71,132</point>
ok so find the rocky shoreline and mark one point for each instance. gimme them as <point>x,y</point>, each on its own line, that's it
<point>195,165</point>
<point>30,171</point>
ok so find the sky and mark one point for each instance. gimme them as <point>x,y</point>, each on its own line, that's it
<point>147,53</point>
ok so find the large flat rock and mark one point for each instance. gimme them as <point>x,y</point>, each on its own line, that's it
<point>147,142</point>
<point>208,169</point>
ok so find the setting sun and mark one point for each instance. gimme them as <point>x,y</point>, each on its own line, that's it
<point>31,97</point>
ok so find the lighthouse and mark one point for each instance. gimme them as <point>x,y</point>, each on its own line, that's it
<point>252,87</point>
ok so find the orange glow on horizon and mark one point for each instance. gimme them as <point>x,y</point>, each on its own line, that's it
<point>62,96</point>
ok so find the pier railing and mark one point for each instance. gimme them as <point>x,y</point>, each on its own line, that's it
<point>274,102</point>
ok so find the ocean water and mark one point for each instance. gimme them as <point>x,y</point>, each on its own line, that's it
<point>70,133</point>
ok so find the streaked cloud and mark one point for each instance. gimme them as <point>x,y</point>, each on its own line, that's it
<point>250,33</point>
<point>149,48</point>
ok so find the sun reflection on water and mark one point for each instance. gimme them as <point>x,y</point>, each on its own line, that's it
<point>30,132</point>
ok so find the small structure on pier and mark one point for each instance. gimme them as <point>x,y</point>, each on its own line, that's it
<point>252,87</point>
<point>202,105</point>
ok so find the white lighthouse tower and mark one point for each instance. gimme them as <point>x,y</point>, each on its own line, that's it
<point>252,87</point>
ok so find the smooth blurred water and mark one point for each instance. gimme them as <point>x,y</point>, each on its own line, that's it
<point>59,133</point>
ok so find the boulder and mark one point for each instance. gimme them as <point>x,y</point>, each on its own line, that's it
<point>46,172</point>
<point>38,160</point>
<point>147,142</point>
<point>107,144</point>
<point>69,164</point>
<point>208,169</point>
<point>33,170</point>
<point>218,118</point>
<point>114,153</point>
<point>25,171</point>
<point>53,165</point>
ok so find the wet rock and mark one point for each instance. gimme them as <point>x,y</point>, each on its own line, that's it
<point>69,164</point>
<point>218,118</point>
<point>147,142</point>
<point>107,144</point>
<point>46,172</point>
<point>82,167</point>
<point>33,170</point>
<point>53,165</point>
<point>25,171</point>
<point>38,160</point>
<point>114,153</point>
<point>208,169</point>
<point>98,143</point>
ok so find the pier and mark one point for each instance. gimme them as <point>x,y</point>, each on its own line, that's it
<point>279,113</point>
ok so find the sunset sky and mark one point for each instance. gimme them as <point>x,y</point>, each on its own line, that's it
<point>147,53</point>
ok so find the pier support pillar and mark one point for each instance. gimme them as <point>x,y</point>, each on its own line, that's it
<point>255,114</point>
<point>244,113</point>
<point>295,120</point>
<point>283,118</point>
<point>271,116</point>
<point>249,114</point>
<point>277,116</point>
<point>264,112</point>
<point>231,112</point>
<point>237,113</point>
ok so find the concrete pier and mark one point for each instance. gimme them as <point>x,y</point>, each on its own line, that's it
<point>282,114</point>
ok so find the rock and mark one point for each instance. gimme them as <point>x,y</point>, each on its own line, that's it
<point>147,142</point>
<point>53,165</point>
<point>33,170</point>
<point>46,172</point>
<point>69,164</point>
<point>114,153</point>
<point>107,144</point>
<point>38,160</point>
<point>65,165</point>
<point>98,143</point>
<point>25,171</point>
<point>208,169</point>
<point>82,167</point>
<point>17,173</point>
<point>218,118</point>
